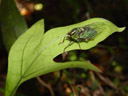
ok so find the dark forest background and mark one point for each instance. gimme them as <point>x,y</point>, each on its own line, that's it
<point>111,55</point>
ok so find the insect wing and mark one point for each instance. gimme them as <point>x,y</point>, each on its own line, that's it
<point>97,26</point>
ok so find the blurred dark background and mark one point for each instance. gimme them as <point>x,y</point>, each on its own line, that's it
<point>111,55</point>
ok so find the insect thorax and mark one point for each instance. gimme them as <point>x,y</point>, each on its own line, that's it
<point>75,33</point>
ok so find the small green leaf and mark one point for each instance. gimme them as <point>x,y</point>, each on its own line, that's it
<point>32,54</point>
<point>12,23</point>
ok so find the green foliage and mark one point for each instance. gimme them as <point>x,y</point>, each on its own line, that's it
<point>1,90</point>
<point>12,23</point>
<point>33,52</point>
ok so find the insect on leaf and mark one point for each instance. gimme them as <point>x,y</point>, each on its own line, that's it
<point>33,52</point>
<point>83,34</point>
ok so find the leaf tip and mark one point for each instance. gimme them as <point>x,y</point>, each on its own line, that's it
<point>122,29</point>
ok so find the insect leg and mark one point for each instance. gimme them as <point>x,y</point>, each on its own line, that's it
<point>79,45</point>
<point>68,46</point>
<point>63,40</point>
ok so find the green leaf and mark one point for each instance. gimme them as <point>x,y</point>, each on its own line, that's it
<point>33,53</point>
<point>12,23</point>
<point>24,48</point>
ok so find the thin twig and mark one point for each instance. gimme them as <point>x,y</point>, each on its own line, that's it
<point>99,85</point>
<point>74,91</point>
<point>107,81</point>
<point>46,85</point>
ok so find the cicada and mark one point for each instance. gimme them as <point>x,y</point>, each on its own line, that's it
<point>82,34</point>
